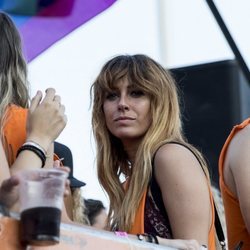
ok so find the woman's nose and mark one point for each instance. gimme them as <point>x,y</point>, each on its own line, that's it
<point>123,104</point>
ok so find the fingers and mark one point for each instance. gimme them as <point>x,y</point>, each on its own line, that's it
<point>62,111</point>
<point>66,169</point>
<point>67,182</point>
<point>67,188</point>
<point>46,118</point>
<point>35,100</point>
<point>56,164</point>
<point>50,94</point>
<point>10,183</point>
<point>65,118</point>
<point>57,98</point>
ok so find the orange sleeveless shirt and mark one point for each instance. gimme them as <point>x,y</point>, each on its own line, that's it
<point>14,131</point>
<point>138,225</point>
<point>236,228</point>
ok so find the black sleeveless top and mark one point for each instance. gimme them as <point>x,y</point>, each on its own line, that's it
<point>156,220</point>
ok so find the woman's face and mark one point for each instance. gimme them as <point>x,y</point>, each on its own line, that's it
<point>127,112</point>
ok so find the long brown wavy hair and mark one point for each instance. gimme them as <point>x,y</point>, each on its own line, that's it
<point>112,163</point>
<point>14,87</point>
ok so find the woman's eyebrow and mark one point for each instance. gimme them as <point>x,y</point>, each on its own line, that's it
<point>132,86</point>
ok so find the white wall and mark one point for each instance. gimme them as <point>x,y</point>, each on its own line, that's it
<point>193,36</point>
<point>174,32</point>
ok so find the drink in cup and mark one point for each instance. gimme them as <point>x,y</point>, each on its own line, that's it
<point>41,197</point>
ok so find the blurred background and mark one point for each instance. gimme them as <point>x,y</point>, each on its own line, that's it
<point>182,35</point>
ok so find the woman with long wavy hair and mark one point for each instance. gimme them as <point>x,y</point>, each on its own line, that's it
<point>13,69</point>
<point>38,124</point>
<point>157,183</point>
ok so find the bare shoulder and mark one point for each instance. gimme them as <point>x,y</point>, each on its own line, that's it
<point>238,158</point>
<point>185,192</point>
<point>239,146</point>
<point>176,161</point>
<point>242,136</point>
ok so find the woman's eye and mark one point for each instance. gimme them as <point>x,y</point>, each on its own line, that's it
<point>111,96</point>
<point>137,93</point>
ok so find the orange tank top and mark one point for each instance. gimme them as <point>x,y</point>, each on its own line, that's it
<point>14,131</point>
<point>236,228</point>
<point>138,225</point>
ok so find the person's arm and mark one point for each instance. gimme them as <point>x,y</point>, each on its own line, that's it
<point>46,120</point>
<point>184,191</point>
<point>4,166</point>
<point>9,193</point>
<point>7,184</point>
<point>238,157</point>
<point>176,244</point>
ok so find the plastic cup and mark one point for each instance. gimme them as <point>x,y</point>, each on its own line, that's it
<point>41,198</point>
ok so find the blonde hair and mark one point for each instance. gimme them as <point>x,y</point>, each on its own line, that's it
<point>158,84</point>
<point>13,69</point>
<point>79,208</point>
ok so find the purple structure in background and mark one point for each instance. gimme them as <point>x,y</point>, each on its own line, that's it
<point>54,20</point>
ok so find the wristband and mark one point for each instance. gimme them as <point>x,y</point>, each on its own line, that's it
<point>35,144</point>
<point>151,238</point>
<point>35,150</point>
<point>145,237</point>
<point>155,239</point>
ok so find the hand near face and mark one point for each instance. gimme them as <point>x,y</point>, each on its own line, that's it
<point>46,118</point>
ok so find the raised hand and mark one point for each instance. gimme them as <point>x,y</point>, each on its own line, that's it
<point>46,118</point>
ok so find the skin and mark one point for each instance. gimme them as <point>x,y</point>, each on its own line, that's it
<point>8,188</point>
<point>100,220</point>
<point>127,116</point>
<point>175,167</point>
<point>190,215</point>
<point>237,173</point>
<point>46,120</point>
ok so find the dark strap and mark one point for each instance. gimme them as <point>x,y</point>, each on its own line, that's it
<point>218,227</point>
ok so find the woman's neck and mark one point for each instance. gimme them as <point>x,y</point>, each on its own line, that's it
<point>131,150</point>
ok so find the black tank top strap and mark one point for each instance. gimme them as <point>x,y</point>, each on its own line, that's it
<point>182,144</point>
<point>157,197</point>
<point>156,217</point>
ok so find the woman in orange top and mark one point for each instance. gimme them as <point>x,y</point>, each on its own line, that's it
<point>137,127</point>
<point>14,98</point>
<point>46,117</point>
<point>234,173</point>
<point>42,114</point>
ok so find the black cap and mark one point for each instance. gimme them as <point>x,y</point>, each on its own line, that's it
<point>64,152</point>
